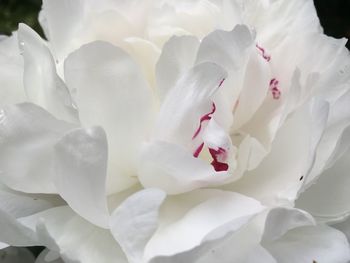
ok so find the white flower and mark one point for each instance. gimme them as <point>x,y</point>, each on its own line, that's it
<point>176,131</point>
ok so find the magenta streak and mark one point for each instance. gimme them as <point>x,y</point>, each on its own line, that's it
<point>263,53</point>
<point>221,82</point>
<point>198,150</point>
<point>205,117</point>
<point>218,166</point>
<point>276,92</point>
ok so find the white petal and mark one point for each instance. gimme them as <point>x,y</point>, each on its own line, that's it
<point>11,72</point>
<point>187,102</point>
<point>135,220</point>
<point>344,227</point>
<point>75,239</point>
<point>173,169</point>
<point>60,31</point>
<point>328,199</point>
<point>335,140</point>
<point>42,84</point>
<point>311,244</point>
<point>3,245</point>
<point>14,233</point>
<point>255,88</point>
<point>280,175</point>
<point>20,205</point>
<point>80,166</point>
<point>231,51</point>
<point>192,220</point>
<point>27,136</point>
<point>280,220</point>
<point>111,92</point>
<point>178,56</point>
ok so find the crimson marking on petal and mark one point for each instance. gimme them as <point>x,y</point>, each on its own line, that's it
<point>198,151</point>
<point>216,154</point>
<point>276,92</point>
<point>263,53</point>
<point>221,82</point>
<point>205,117</point>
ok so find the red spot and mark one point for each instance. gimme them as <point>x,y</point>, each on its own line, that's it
<point>263,53</point>
<point>216,154</point>
<point>205,117</point>
<point>276,92</point>
<point>198,151</point>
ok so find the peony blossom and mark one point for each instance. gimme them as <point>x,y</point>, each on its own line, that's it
<point>166,131</point>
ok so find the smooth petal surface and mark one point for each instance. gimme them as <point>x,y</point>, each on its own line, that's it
<point>280,220</point>
<point>311,244</point>
<point>80,173</point>
<point>229,49</point>
<point>27,136</point>
<point>178,56</point>
<point>344,227</point>
<point>280,175</point>
<point>15,233</point>
<point>61,31</point>
<point>325,204</point>
<point>196,218</point>
<point>11,72</point>
<point>135,220</point>
<point>173,169</point>
<point>335,140</point>
<point>111,92</point>
<point>20,205</point>
<point>42,84</point>
<point>75,239</point>
<point>187,102</point>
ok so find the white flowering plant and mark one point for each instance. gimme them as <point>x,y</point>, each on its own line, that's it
<point>176,131</point>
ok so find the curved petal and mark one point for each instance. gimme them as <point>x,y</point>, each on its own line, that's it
<point>111,92</point>
<point>3,245</point>
<point>194,219</point>
<point>328,198</point>
<point>42,84</point>
<point>75,239</point>
<point>281,174</point>
<point>175,170</point>
<point>14,233</point>
<point>137,217</point>
<point>344,227</point>
<point>311,244</point>
<point>60,31</point>
<point>229,49</point>
<point>177,57</point>
<point>11,72</point>
<point>80,173</point>
<point>187,102</point>
<point>280,220</point>
<point>20,205</point>
<point>27,136</point>
<point>335,139</point>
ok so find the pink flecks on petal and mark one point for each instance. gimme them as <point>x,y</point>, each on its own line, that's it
<point>263,53</point>
<point>276,92</point>
<point>198,151</point>
<point>219,156</point>
<point>204,118</point>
